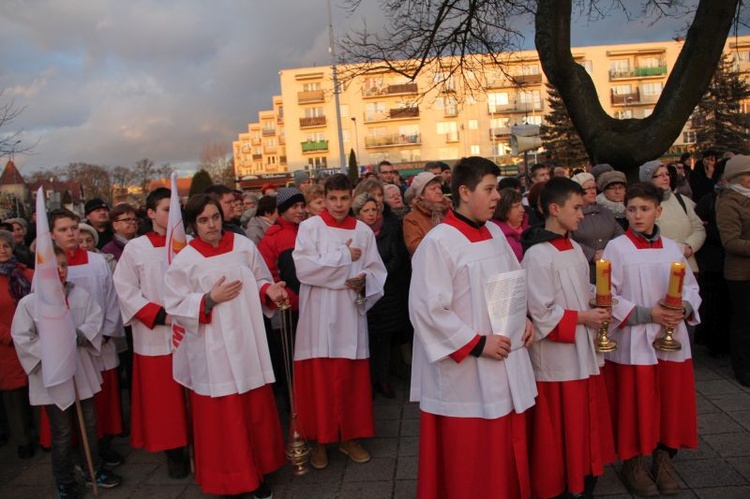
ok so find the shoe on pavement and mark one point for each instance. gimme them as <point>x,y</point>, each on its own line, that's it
<point>637,478</point>
<point>263,492</point>
<point>355,451</point>
<point>105,479</point>
<point>318,457</point>
<point>664,474</point>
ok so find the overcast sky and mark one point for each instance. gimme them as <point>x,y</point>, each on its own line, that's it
<point>113,81</point>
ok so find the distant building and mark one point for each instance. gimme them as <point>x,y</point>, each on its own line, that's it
<point>60,194</point>
<point>14,193</point>
<point>386,117</point>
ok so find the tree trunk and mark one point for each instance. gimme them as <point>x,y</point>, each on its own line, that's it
<point>626,144</point>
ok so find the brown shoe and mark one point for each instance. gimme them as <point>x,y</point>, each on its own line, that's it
<point>637,478</point>
<point>318,457</point>
<point>664,474</point>
<point>355,451</point>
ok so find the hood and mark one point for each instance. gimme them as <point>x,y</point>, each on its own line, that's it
<point>535,235</point>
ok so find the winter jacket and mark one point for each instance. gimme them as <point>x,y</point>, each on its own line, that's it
<point>733,219</point>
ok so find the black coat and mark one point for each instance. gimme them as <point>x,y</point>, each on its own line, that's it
<point>391,312</point>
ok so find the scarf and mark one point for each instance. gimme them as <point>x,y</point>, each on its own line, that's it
<point>18,285</point>
<point>378,225</point>
<point>742,190</point>
<point>617,209</point>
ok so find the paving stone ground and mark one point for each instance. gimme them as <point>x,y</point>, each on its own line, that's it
<point>719,468</point>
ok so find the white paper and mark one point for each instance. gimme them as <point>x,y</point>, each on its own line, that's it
<point>506,304</point>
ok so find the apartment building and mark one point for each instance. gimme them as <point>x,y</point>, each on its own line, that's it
<point>384,116</point>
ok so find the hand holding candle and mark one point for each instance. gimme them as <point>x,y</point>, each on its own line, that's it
<point>603,283</point>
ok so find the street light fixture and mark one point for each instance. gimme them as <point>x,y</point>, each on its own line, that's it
<point>356,138</point>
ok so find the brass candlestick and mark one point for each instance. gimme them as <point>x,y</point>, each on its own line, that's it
<point>667,343</point>
<point>603,343</point>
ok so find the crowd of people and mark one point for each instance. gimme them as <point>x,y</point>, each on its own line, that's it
<point>387,279</point>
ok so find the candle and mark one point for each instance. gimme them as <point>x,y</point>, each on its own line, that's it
<point>676,280</point>
<point>603,283</point>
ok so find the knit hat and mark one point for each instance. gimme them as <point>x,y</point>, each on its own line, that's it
<point>7,236</point>
<point>582,178</point>
<point>94,204</point>
<point>646,171</point>
<point>288,197</point>
<point>90,230</point>
<point>421,181</point>
<point>601,168</point>
<point>299,177</point>
<point>736,166</point>
<point>614,177</point>
<point>20,221</point>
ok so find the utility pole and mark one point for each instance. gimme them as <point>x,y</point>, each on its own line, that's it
<point>336,89</point>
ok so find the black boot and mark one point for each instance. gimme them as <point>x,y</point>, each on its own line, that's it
<point>178,464</point>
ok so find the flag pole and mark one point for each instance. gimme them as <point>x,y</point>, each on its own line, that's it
<point>85,440</point>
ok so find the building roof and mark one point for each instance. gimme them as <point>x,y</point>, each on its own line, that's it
<point>11,175</point>
<point>183,185</point>
<point>73,187</point>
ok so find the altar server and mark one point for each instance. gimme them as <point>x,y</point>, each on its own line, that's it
<point>474,385</point>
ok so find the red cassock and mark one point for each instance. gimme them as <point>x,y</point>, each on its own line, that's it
<point>650,405</point>
<point>334,399</point>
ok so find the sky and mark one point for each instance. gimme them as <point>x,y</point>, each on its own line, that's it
<point>111,82</point>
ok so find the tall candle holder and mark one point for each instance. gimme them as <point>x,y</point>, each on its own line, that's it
<point>603,343</point>
<point>673,301</point>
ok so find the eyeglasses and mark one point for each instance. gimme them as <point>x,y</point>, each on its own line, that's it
<point>127,220</point>
<point>661,175</point>
<point>589,188</point>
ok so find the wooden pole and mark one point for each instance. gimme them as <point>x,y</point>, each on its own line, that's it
<point>85,440</point>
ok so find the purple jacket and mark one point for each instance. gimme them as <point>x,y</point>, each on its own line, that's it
<point>514,236</point>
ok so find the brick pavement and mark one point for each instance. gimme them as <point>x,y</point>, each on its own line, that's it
<point>719,468</point>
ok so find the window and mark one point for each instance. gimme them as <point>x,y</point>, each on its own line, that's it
<point>317,163</point>
<point>313,112</point>
<point>316,136</point>
<point>372,84</point>
<point>448,128</point>
<point>270,142</point>
<point>500,122</point>
<point>530,69</point>
<point>409,130</point>
<point>375,111</point>
<point>473,124</point>
<point>533,120</point>
<point>619,65</point>
<point>497,101</point>
<point>648,112</point>
<point>408,155</point>
<point>649,62</point>
<point>346,135</point>
<point>310,87</point>
<point>652,88</point>
<point>588,66</point>
<point>271,160</point>
<point>689,137</point>
<point>344,110</point>
<point>448,153</point>
<point>622,90</point>
<point>625,114</point>
<point>475,150</point>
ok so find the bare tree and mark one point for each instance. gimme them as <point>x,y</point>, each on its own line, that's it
<point>215,159</point>
<point>95,180</point>
<point>455,38</point>
<point>11,142</point>
<point>122,177</point>
<point>144,171</point>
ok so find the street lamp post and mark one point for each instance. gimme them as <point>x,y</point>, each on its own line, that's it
<point>356,138</point>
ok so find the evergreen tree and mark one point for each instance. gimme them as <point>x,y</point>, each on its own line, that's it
<point>201,181</point>
<point>723,123</point>
<point>560,137</point>
<point>353,167</point>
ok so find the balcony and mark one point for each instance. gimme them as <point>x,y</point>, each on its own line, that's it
<point>499,131</point>
<point>257,157</point>
<point>314,145</point>
<point>255,141</point>
<point>403,113</point>
<point>516,107</point>
<point>638,73</point>
<point>312,121</point>
<point>280,120</point>
<point>268,132</point>
<point>399,89</point>
<point>626,99</point>
<point>282,160</point>
<point>310,96</point>
<point>532,79</point>
<point>282,140</point>
<point>395,139</point>
<point>451,138</point>
<point>270,149</point>
<point>450,112</point>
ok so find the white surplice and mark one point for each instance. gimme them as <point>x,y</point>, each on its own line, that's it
<point>139,280</point>
<point>331,324</point>
<point>230,354</point>
<point>448,308</point>
<point>558,281</point>
<point>87,318</point>
<point>643,276</point>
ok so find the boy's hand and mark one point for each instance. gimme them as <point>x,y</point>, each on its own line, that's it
<point>496,347</point>
<point>356,283</point>
<point>225,291</point>
<point>276,292</point>
<point>528,334</point>
<point>667,317</point>
<point>354,251</point>
<point>594,317</point>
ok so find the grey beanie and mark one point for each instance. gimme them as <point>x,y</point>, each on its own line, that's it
<point>299,177</point>
<point>599,169</point>
<point>287,197</point>
<point>646,170</point>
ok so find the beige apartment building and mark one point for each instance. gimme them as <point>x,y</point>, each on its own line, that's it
<point>385,116</point>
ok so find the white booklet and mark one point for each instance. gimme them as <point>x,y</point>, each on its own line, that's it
<point>506,304</point>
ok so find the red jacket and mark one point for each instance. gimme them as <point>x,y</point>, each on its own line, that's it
<point>12,375</point>
<point>276,248</point>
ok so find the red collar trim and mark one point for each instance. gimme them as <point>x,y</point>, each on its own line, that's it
<point>78,256</point>
<point>640,242</point>
<point>349,223</point>
<point>157,240</point>
<point>225,245</point>
<point>473,234</point>
<point>562,243</point>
